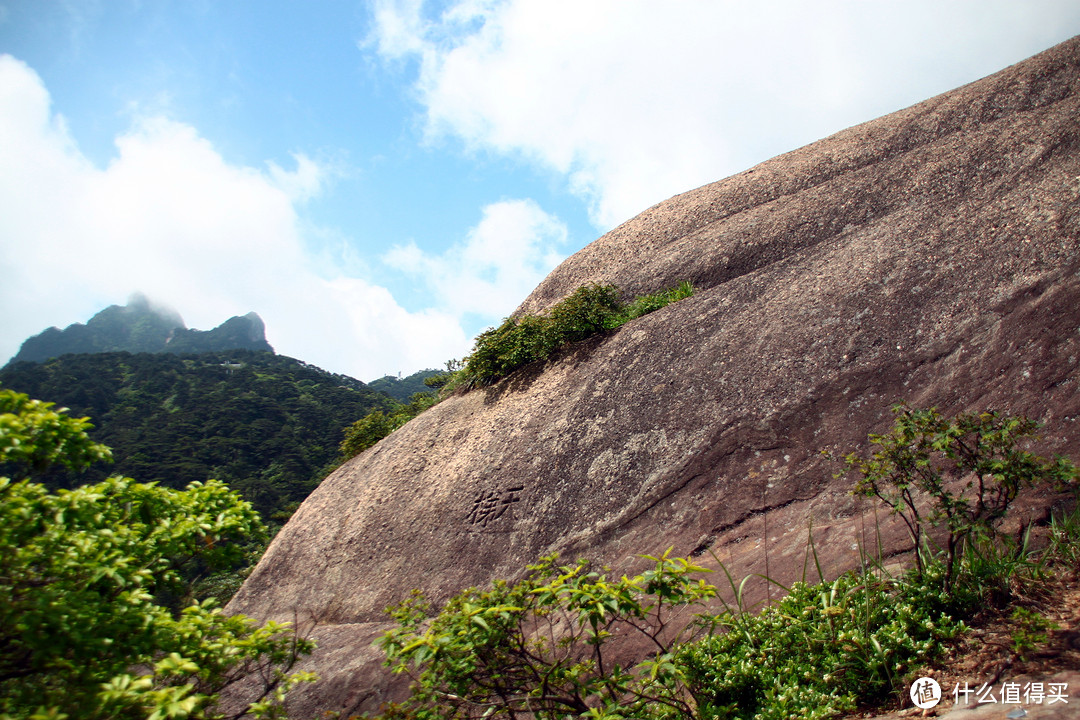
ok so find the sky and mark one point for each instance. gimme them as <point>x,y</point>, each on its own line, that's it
<point>382,180</point>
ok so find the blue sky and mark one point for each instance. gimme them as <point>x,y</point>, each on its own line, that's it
<point>382,180</point>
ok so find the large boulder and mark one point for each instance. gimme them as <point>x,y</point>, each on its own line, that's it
<point>931,255</point>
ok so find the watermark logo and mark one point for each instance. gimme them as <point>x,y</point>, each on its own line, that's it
<point>925,693</point>
<point>1031,693</point>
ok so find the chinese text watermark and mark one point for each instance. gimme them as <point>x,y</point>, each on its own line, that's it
<point>1029,693</point>
<point>926,693</point>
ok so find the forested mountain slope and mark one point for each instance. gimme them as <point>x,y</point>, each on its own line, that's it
<point>267,425</point>
<point>402,388</point>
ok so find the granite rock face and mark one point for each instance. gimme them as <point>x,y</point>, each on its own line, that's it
<point>932,255</point>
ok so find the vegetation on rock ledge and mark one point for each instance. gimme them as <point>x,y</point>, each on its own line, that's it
<point>588,311</point>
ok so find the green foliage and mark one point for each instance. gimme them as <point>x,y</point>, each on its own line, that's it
<point>373,427</point>
<point>541,645</point>
<point>825,649</point>
<point>81,631</point>
<point>962,473</point>
<point>268,426</point>
<point>401,389</point>
<point>822,650</point>
<point>440,380</point>
<point>365,432</point>
<point>33,437</point>
<point>588,311</point>
<point>501,350</point>
<point>1029,631</point>
<point>648,303</point>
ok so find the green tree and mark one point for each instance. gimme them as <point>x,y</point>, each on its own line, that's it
<point>81,634</point>
<point>34,436</point>
<point>962,473</point>
<point>365,432</point>
<point>542,647</point>
<point>373,427</point>
<point>440,380</point>
<point>267,426</point>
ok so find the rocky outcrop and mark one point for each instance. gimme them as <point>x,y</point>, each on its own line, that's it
<point>143,326</point>
<point>240,332</point>
<point>931,255</point>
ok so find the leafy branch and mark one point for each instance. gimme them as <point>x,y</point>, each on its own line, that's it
<point>962,473</point>
<point>539,647</point>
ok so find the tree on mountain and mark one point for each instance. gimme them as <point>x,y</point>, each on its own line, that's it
<point>82,633</point>
<point>267,426</point>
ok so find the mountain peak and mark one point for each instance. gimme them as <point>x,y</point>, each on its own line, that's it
<point>140,303</point>
<point>143,325</point>
<point>247,332</point>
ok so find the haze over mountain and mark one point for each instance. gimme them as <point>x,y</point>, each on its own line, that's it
<point>143,326</point>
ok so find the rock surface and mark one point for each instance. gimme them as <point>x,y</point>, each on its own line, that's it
<point>931,255</point>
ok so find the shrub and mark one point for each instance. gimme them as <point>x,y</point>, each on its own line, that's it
<point>962,473</point>
<point>374,426</point>
<point>516,342</point>
<point>513,344</point>
<point>588,311</point>
<point>821,650</point>
<point>541,646</point>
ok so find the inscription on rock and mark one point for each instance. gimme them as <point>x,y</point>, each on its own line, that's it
<point>490,506</point>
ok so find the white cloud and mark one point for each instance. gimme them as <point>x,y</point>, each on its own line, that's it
<point>634,101</point>
<point>304,183</point>
<point>170,217</point>
<point>510,250</point>
<point>400,28</point>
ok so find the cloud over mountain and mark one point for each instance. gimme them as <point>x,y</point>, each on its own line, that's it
<point>171,217</point>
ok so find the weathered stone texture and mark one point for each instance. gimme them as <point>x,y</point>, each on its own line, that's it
<point>931,255</point>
